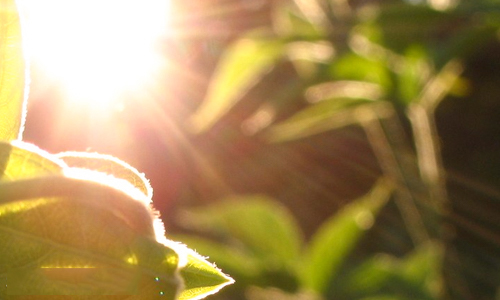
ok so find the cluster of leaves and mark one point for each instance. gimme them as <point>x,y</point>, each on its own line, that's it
<point>361,63</point>
<point>78,224</point>
<point>346,57</point>
<point>260,243</point>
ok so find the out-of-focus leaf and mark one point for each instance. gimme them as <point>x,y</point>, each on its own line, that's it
<point>293,25</point>
<point>109,165</point>
<point>382,297</point>
<point>344,90</point>
<point>12,73</point>
<point>315,14</point>
<point>423,267</point>
<point>242,65</point>
<point>309,57</point>
<point>370,277</point>
<point>263,226</point>
<point>338,236</point>
<point>201,278</point>
<point>417,275</point>
<point>412,77</point>
<point>259,293</point>
<point>354,67</point>
<point>318,118</point>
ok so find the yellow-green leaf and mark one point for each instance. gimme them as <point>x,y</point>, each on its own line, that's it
<point>233,259</point>
<point>109,165</point>
<point>129,206</point>
<point>201,278</point>
<point>19,160</point>
<point>76,237</point>
<point>71,231</point>
<point>12,73</point>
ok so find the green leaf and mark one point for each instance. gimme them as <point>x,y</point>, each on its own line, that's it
<point>201,278</point>
<point>19,160</point>
<point>30,173</point>
<point>259,223</point>
<point>70,236</point>
<point>130,206</point>
<point>295,25</point>
<point>423,267</point>
<point>370,277</point>
<point>383,297</point>
<point>415,276</point>
<point>354,67</point>
<point>414,75</point>
<point>68,231</point>
<point>13,71</point>
<point>239,263</point>
<point>267,293</point>
<point>243,64</point>
<point>109,165</point>
<point>338,236</point>
<point>318,118</point>
<point>75,237</point>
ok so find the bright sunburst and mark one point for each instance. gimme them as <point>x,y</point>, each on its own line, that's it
<point>96,49</point>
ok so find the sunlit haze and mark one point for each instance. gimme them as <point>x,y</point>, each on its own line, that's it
<point>96,50</point>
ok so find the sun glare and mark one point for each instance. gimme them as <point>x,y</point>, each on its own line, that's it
<point>96,50</point>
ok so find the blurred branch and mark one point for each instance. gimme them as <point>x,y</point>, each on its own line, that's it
<point>421,114</point>
<point>396,169</point>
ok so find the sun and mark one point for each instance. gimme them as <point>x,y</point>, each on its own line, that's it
<point>96,50</point>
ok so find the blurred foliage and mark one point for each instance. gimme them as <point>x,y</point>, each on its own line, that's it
<point>260,243</point>
<point>320,67</point>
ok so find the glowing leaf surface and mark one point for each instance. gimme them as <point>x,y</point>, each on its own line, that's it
<point>12,73</point>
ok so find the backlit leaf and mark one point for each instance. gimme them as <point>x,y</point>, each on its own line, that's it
<point>201,278</point>
<point>70,231</point>
<point>72,242</point>
<point>19,160</point>
<point>12,73</point>
<point>109,165</point>
<point>238,262</point>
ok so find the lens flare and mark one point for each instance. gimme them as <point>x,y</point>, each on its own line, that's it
<point>96,50</point>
